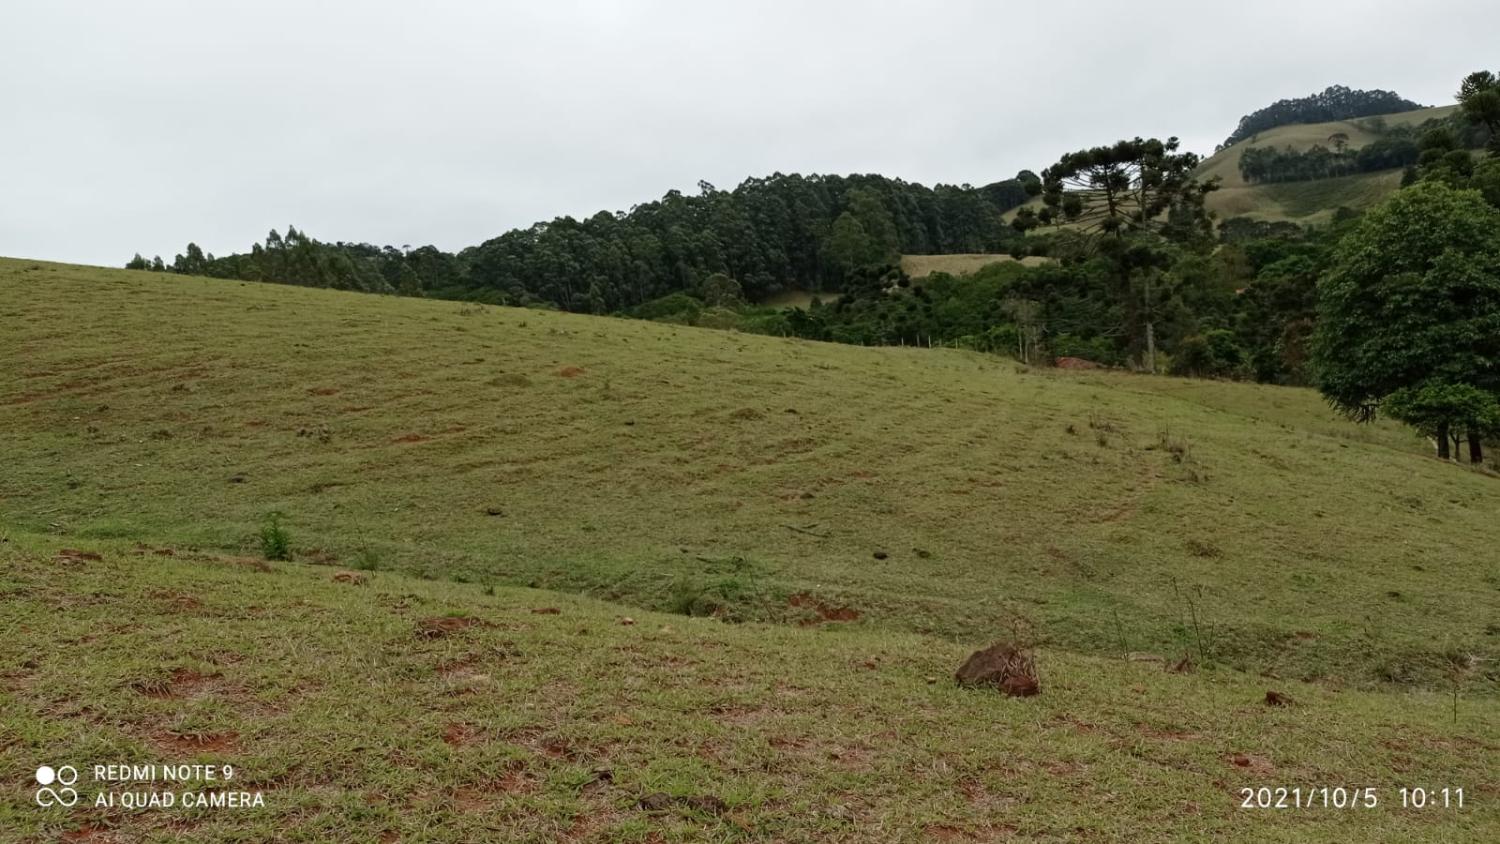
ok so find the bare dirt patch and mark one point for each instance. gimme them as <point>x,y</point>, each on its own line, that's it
<point>1076,363</point>
<point>459,735</point>
<point>571,371</point>
<point>411,438</point>
<point>73,555</point>
<point>181,682</point>
<point>1249,762</point>
<point>176,600</point>
<point>822,611</point>
<point>444,625</point>
<point>225,742</point>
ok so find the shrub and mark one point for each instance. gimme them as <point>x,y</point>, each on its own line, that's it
<point>275,542</point>
<point>367,559</point>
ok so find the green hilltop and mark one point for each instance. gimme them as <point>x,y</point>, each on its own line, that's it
<point>1313,201</point>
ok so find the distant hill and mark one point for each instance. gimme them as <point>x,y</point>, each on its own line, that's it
<point>1336,102</point>
<point>1314,200</point>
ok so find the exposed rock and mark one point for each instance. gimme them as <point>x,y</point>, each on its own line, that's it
<point>1003,666</point>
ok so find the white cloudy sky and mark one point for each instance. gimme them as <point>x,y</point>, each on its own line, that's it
<point>142,125</point>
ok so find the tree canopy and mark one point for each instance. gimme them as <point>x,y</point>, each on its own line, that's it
<point>1409,314</point>
<point>1336,102</point>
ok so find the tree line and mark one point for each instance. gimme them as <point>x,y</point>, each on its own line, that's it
<point>771,234</point>
<point>1336,102</point>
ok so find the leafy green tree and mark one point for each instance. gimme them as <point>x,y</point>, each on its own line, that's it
<point>1479,97</point>
<point>1130,186</point>
<point>1486,180</point>
<point>849,245</point>
<point>1125,201</point>
<point>137,263</point>
<point>1413,300</point>
<point>192,263</point>
<point>1438,409</point>
<point>867,207</point>
<point>721,291</point>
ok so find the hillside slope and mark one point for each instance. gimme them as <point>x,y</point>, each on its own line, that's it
<point>896,506</point>
<point>703,471</point>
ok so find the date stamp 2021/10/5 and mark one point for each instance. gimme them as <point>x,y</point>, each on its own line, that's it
<point>1350,797</point>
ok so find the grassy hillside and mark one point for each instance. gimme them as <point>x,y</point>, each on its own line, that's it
<point>1313,201</point>
<point>920,266</point>
<point>888,508</point>
<point>682,468</point>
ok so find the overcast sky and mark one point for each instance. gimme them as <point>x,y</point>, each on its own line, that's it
<point>140,126</point>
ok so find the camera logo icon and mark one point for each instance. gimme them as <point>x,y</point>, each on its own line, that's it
<point>63,794</point>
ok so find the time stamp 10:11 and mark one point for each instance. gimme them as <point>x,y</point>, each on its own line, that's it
<point>1339,797</point>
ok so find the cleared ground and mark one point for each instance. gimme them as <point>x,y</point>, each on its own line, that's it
<point>920,266</point>
<point>928,500</point>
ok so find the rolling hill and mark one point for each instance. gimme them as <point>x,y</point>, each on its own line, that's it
<point>557,576</point>
<point>1311,201</point>
<point>1307,202</point>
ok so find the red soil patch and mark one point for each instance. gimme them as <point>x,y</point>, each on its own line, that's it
<point>947,832</point>
<point>1076,363</point>
<point>459,735</point>
<point>824,611</point>
<point>1258,764</point>
<point>182,681</point>
<point>455,666</point>
<point>198,743</point>
<point>250,563</point>
<point>411,438</point>
<point>177,600</point>
<point>440,626</point>
<point>323,391</point>
<point>353,578</point>
<point>73,555</point>
<point>570,371</point>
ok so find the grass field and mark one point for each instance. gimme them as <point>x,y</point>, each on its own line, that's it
<point>871,515</point>
<point>920,266</point>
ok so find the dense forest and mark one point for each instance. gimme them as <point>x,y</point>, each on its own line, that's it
<point>1335,102</point>
<point>769,235</point>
